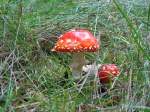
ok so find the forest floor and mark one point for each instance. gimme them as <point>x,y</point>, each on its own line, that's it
<point>33,78</point>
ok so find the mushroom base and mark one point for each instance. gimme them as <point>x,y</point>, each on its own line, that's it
<point>78,61</point>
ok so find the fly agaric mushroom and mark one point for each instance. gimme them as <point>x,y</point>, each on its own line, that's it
<point>108,72</point>
<point>77,41</point>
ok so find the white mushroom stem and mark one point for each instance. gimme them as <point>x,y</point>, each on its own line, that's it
<point>78,61</point>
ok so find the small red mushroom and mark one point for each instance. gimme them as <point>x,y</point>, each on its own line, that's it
<point>77,41</point>
<point>107,72</point>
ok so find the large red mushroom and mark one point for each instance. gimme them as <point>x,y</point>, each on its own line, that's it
<point>77,41</point>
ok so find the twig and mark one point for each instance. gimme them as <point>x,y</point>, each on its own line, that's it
<point>26,105</point>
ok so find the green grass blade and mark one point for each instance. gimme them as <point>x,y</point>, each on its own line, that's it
<point>9,95</point>
<point>135,33</point>
<point>148,18</point>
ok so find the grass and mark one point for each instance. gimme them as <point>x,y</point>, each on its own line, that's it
<point>32,77</point>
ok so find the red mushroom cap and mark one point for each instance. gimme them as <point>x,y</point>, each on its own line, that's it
<point>77,40</point>
<point>107,72</point>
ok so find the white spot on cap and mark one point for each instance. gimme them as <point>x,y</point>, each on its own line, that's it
<point>61,41</point>
<point>60,36</point>
<point>85,48</point>
<point>62,47</point>
<point>74,48</point>
<point>114,72</point>
<point>68,40</point>
<point>112,68</point>
<point>57,45</point>
<point>95,46</point>
<point>104,68</point>
<point>90,47</point>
